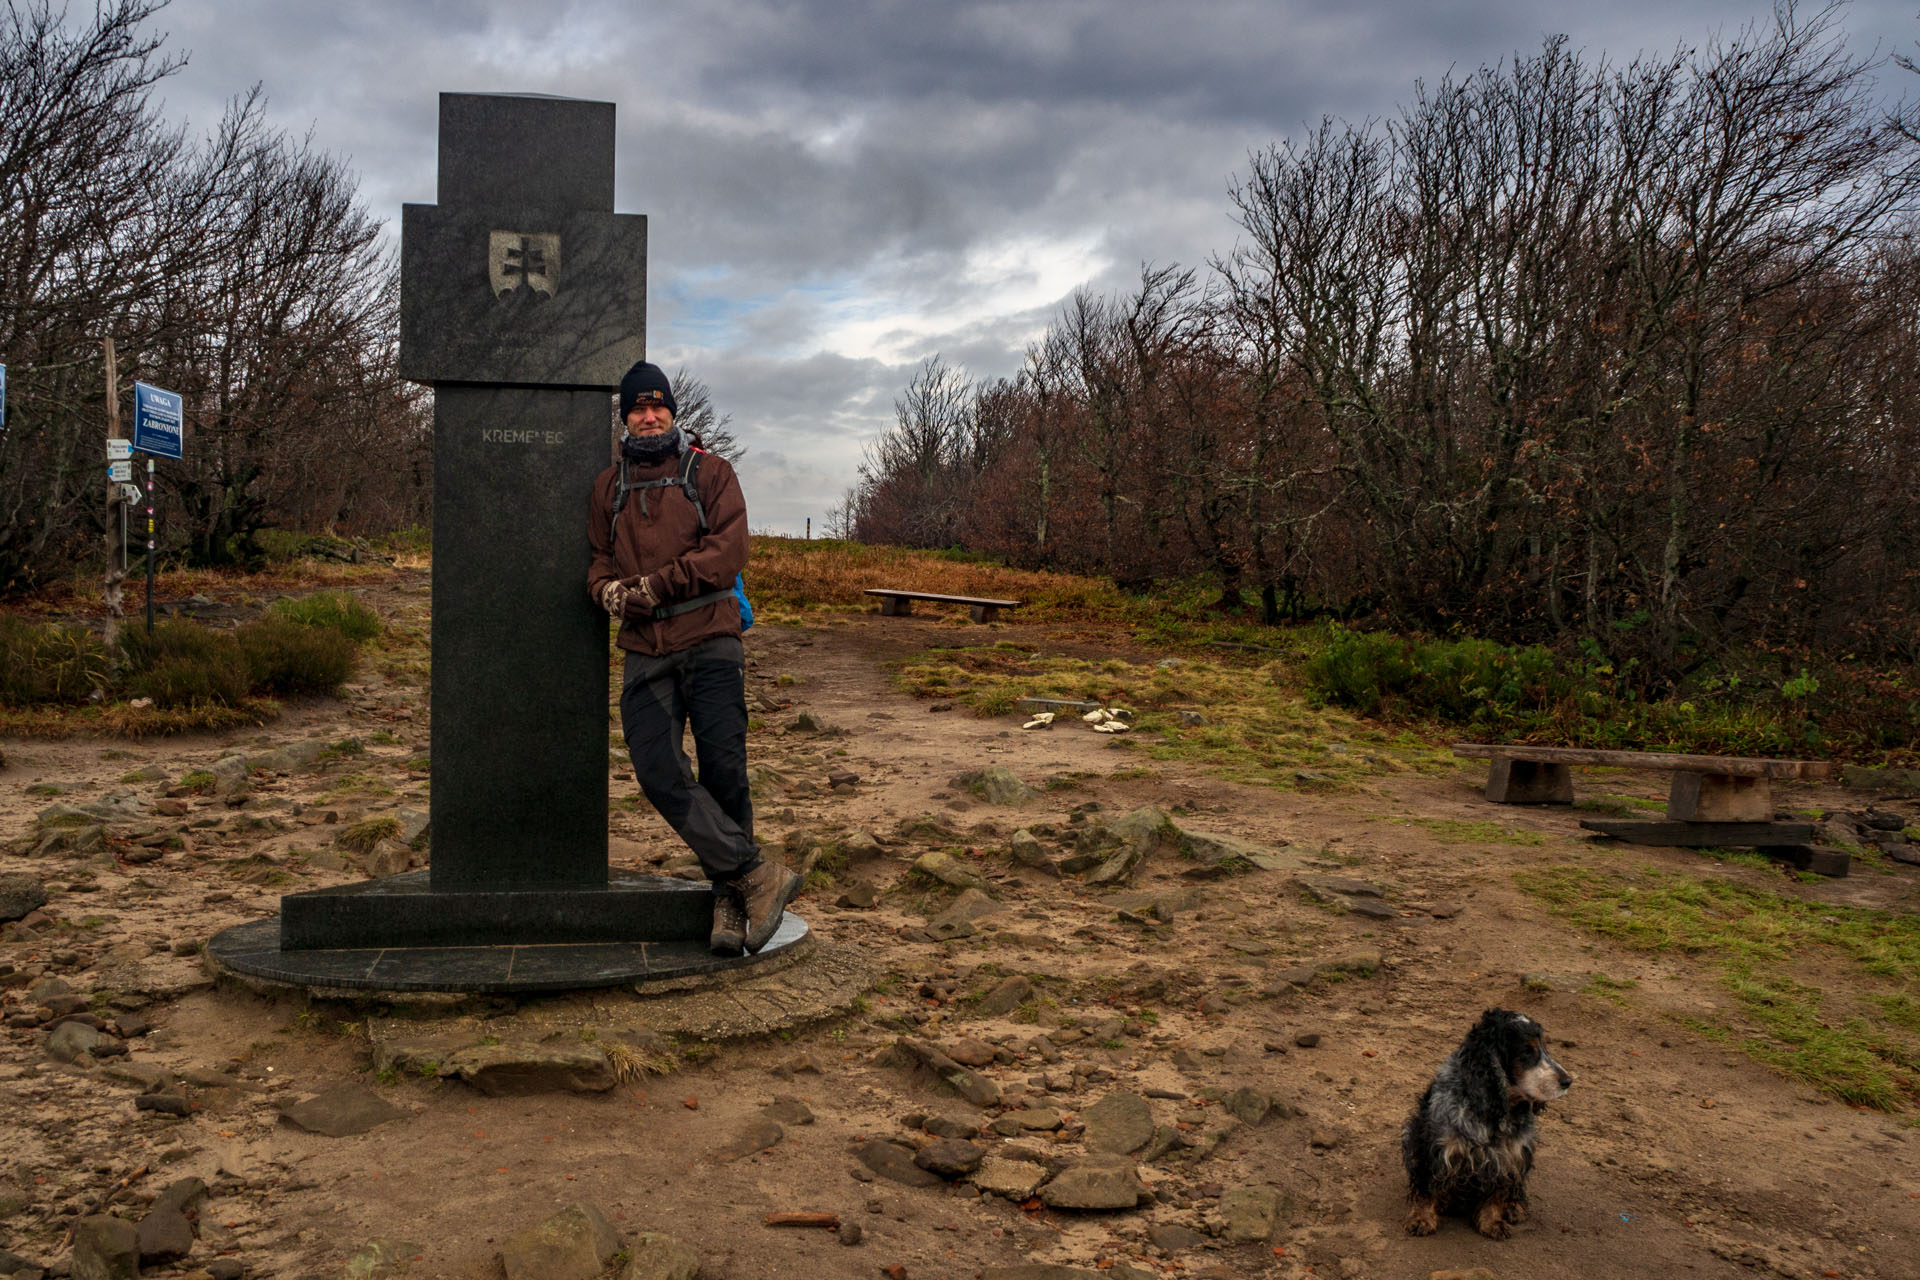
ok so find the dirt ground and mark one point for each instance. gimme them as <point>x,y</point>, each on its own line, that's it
<point>1671,1155</point>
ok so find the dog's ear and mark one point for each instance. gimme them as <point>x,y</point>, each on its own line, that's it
<point>1486,1051</point>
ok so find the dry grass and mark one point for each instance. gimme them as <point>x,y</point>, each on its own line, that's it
<point>791,578</point>
<point>79,596</point>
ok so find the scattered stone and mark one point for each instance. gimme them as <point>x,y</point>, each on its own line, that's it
<point>756,1136</point>
<point>225,1268</point>
<point>894,1162</point>
<point>938,864</point>
<point>1248,1106</point>
<point>166,1104</point>
<point>1478,1273</point>
<point>144,1076</point>
<point>859,895</point>
<point>574,1244</point>
<point>1251,1212</point>
<point>1014,1179</point>
<point>20,895</point>
<point>1098,1181</point>
<point>163,1235</point>
<point>515,1070</point>
<point>387,858</point>
<point>182,1196</point>
<point>788,1111</point>
<point>47,988</point>
<point>380,1259</point>
<point>1025,848</point>
<point>1325,888</point>
<point>1307,1040</point>
<point>997,785</point>
<point>71,1041</point>
<point>850,1233</point>
<point>971,1051</point>
<point>341,1111</point>
<point>950,1127</point>
<point>1119,1123</point>
<point>1323,1140</point>
<point>1364,963</point>
<point>950,1157</point>
<point>105,1248</point>
<point>1173,1237</point>
<point>975,1088</point>
<point>1225,852</point>
<point>661,1257</point>
<point>1007,996</point>
<point>957,920</point>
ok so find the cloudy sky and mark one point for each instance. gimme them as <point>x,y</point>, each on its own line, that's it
<point>838,189</point>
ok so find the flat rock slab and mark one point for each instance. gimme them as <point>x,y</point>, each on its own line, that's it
<point>756,1136</point>
<point>341,1112</point>
<point>1251,1213</point>
<point>661,1257</point>
<point>1009,994</point>
<point>507,1070</point>
<point>1118,1123</point>
<point>1095,1182</point>
<point>574,1244</point>
<point>1332,888</point>
<point>1014,1179</point>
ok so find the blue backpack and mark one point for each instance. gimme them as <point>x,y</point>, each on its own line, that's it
<point>687,482</point>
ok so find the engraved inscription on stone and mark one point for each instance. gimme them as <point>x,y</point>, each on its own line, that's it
<point>504,435</point>
<point>523,263</point>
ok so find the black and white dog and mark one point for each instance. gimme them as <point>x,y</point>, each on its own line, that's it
<point>1468,1146</point>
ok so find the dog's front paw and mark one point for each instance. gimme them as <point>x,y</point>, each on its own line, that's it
<point>1423,1219</point>
<point>1517,1211</point>
<point>1491,1220</point>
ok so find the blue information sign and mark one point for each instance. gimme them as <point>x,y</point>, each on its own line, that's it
<point>157,421</point>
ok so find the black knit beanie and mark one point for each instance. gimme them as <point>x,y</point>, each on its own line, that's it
<point>645,384</point>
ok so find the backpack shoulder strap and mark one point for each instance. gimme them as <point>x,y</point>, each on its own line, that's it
<point>619,501</point>
<point>689,484</point>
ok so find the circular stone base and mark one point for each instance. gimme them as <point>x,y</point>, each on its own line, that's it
<point>252,950</point>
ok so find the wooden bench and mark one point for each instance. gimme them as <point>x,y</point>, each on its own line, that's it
<point>896,604</point>
<point>1712,800</point>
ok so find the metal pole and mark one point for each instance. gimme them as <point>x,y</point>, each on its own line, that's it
<point>116,554</point>
<point>149,546</point>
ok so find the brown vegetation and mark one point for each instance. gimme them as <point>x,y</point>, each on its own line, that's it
<point>1568,350</point>
<point>237,269</point>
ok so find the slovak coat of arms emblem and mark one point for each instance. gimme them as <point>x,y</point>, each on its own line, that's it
<point>521,262</point>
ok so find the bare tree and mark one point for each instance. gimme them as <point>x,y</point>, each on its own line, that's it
<point>694,412</point>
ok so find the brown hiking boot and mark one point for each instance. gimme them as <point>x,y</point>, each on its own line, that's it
<point>766,890</point>
<point>729,921</point>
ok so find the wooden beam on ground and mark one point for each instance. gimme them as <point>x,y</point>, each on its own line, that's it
<point>1696,835</point>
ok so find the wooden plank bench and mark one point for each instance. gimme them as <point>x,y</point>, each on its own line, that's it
<point>1712,800</point>
<point>895,604</point>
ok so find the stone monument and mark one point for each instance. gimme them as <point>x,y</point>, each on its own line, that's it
<point>523,301</point>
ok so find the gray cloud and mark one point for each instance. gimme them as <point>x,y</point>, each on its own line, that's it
<point>838,188</point>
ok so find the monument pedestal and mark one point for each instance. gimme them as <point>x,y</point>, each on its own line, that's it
<point>255,950</point>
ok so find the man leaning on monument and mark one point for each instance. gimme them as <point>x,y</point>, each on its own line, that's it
<point>665,566</point>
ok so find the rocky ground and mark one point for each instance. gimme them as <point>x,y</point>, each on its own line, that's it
<point>1064,1015</point>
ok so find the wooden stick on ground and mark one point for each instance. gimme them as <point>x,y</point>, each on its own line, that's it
<point>830,1221</point>
<point>104,1201</point>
